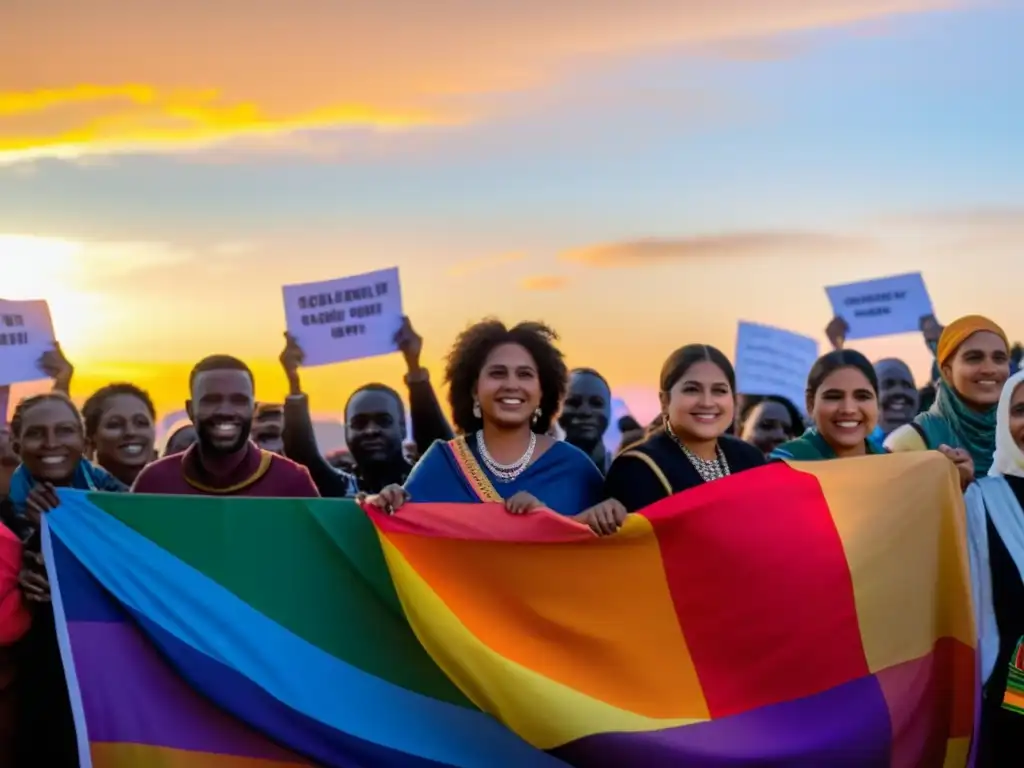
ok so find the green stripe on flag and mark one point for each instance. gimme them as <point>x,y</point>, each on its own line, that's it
<point>314,566</point>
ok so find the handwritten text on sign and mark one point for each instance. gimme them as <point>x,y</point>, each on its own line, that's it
<point>26,333</point>
<point>347,318</point>
<point>881,307</point>
<point>771,361</point>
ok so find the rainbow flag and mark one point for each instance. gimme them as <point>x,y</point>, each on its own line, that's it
<point>798,615</point>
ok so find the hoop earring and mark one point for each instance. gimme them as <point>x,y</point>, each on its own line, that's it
<point>476,409</point>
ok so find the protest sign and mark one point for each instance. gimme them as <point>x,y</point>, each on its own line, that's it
<point>26,334</point>
<point>881,307</point>
<point>345,319</point>
<point>771,361</point>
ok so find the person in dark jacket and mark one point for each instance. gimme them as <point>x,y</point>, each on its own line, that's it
<point>689,446</point>
<point>375,425</point>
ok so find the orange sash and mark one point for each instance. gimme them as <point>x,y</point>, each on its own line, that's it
<point>472,471</point>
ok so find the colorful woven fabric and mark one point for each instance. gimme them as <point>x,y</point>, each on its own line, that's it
<point>800,615</point>
<point>1013,698</point>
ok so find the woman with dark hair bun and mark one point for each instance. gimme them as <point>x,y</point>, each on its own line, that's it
<point>690,446</point>
<point>842,399</point>
<point>505,388</point>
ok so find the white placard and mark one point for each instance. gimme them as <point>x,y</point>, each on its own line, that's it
<point>772,361</point>
<point>345,319</point>
<point>26,334</point>
<point>881,307</point>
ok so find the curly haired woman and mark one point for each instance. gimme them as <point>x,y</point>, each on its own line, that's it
<point>505,388</point>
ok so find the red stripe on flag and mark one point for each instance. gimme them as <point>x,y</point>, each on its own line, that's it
<point>479,522</point>
<point>761,587</point>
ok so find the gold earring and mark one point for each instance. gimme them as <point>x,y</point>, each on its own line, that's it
<point>476,409</point>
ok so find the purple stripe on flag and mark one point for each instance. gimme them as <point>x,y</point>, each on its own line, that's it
<point>130,694</point>
<point>845,727</point>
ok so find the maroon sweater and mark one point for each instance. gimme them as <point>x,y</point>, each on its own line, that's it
<point>261,473</point>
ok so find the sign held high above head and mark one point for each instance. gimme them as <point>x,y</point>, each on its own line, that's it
<point>26,334</point>
<point>881,307</point>
<point>345,319</point>
<point>772,361</point>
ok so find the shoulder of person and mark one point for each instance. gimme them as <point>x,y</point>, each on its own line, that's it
<point>577,459</point>
<point>909,437</point>
<point>566,450</point>
<point>104,480</point>
<point>639,454</point>
<point>283,462</point>
<point>433,454</point>
<point>734,446</point>
<point>155,469</point>
<point>435,448</point>
<point>297,477</point>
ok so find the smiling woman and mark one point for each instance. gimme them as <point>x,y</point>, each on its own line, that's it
<point>53,269</point>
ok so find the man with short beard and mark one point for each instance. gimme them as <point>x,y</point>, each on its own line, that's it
<point>586,413</point>
<point>898,397</point>
<point>224,461</point>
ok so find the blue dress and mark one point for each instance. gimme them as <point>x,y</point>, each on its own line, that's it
<point>563,478</point>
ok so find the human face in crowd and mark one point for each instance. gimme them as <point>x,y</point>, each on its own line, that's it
<point>897,394</point>
<point>221,409</point>
<point>979,368</point>
<point>9,460</point>
<point>1017,416</point>
<point>374,427</point>
<point>768,426</point>
<point>125,434</point>
<point>51,442</point>
<point>586,411</point>
<point>268,431</point>
<point>845,410</point>
<point>181,440</point>
<point>701,405</point>
<point>508,388</point>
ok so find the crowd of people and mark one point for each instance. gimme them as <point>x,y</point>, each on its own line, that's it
<point>526,432</point>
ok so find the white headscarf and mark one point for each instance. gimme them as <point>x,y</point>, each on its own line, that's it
<point>1008,458</point>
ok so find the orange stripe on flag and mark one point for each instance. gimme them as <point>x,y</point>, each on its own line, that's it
<point>911,576</point>
<point>594,615</point>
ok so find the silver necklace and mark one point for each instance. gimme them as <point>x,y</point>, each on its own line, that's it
<point>506,473</point>
<point>708,469</point>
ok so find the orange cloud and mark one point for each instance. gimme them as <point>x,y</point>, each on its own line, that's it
<point>544,283</point>
<point>138,116</point>
<point>653,251</point>
<point>211,71</point>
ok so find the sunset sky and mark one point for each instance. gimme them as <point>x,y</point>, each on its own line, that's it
<point>638,174</point>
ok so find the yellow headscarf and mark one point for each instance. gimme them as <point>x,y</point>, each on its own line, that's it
<point>957,332</point>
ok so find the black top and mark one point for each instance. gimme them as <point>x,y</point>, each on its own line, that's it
<point>44,723</point>
<point>1002,741</point>
<point>428,425</point>
<point>636,485</point>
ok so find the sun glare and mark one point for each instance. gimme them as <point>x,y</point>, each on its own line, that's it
<point>51,269</point>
